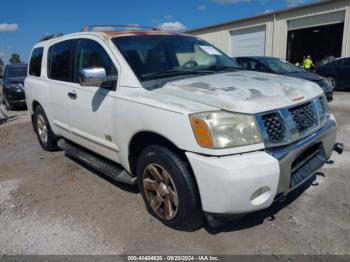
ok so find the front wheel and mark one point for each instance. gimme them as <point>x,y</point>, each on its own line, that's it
<point>7,103</point>
<point>168,189</point>
<point>333,82</point>
<point>46,137</point>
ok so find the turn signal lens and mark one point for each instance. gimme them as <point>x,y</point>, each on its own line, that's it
<point>202,132</point>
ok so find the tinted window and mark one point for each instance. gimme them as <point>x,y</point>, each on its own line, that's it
<point>92,54</point>
<point>60,65</point>
<point>245,63</point>
<point>17,71</point>
<point>35,62</point>
<point>155,56</point>
<point>280,66</point>
<point>252,65</point>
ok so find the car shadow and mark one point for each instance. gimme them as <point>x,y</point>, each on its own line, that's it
<point>225,223</point>
<point>98,98</point>
<point>129,188</point>
<point>8,119</point>
<point>229,224</point>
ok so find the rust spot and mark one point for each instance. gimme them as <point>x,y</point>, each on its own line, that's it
<point>297,98</point>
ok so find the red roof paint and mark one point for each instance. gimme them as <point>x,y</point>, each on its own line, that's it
<point>134,33</point>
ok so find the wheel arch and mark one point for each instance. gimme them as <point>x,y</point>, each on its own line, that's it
<point>34,105</point>
<point>143,139</point>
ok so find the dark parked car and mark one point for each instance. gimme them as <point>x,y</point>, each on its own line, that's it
<point>281,67</point>
<point>337,72</point>
<point>12,90</point>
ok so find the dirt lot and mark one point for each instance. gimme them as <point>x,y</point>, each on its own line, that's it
<point>50,204</point>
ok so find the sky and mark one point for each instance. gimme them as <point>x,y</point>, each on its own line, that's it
<point>24,22</point>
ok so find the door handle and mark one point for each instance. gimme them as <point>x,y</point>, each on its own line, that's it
<point>72,95</point>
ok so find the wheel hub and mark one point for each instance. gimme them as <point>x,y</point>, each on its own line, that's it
<point>160,191</point>
<point>42,129</point>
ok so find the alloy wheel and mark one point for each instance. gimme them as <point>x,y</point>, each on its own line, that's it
<point>160,191</point>
<point>42,129</point>
<point>332,82</point>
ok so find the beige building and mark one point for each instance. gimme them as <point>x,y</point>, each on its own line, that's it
<point>321,29</point>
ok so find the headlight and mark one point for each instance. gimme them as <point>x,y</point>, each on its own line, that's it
<point>220,129</point>
<point>18,87</point>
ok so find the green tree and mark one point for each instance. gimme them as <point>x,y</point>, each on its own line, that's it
<point>15,59</point>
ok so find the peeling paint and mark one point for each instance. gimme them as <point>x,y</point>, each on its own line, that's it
<point>255,94</point>
<point>229,88</point>
<point>260,78</point>
<point>244,91</point>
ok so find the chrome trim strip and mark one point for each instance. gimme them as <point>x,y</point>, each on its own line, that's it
<point>287,155</point>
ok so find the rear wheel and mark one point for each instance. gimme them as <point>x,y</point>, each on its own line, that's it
<point>46,137</point>
<point>168,189</point>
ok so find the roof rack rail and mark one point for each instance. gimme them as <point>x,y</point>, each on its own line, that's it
<point>106,28</point>
<point>48,37</point>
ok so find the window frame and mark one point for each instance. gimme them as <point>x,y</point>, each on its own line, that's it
<point>266,68</point>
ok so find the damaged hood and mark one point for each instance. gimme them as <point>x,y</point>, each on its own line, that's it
<point>243,91</point>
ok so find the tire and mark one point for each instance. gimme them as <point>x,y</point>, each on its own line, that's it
<point>180,189</point>
<point>333,82</point>
<point>46,137</point>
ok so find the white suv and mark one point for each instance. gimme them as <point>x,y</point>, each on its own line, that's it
<point>176,115</point>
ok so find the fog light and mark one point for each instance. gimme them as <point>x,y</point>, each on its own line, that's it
<point>260,195</point>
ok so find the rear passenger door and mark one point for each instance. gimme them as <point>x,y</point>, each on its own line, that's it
<point>92,110</point>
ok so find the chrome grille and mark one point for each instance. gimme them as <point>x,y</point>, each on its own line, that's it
<point>303,116</point>
<point>323,108</point>
<point>274,127</point>
<point>286,125</point>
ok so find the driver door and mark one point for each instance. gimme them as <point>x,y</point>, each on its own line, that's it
<point>92,109</point>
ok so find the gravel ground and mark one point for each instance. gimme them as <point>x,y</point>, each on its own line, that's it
<point>50,204</point>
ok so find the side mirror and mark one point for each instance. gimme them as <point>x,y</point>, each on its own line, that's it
<point>92,76</point>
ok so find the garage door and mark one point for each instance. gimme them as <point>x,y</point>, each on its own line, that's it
<point>248,42</point>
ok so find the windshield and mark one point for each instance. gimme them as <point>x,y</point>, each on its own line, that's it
<point>280,66</point>
<point>16,72</point>
<point>153,57</point>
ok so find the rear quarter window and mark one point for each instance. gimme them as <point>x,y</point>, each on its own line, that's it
<point>35,62</point>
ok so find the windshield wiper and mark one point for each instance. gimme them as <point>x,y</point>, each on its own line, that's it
<point>175,72</point>
<point>217,68</point>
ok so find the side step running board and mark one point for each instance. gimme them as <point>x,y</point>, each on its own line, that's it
<point>98,163</point>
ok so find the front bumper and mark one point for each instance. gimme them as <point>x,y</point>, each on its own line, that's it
<point>14,96</point>
<point>329,96</point>
<point>248,182</point>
